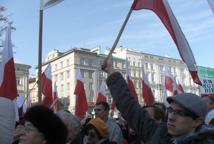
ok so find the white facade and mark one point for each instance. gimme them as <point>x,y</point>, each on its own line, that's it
<point>64,72</point>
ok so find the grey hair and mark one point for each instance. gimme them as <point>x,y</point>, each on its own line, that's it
<point>73,121</point>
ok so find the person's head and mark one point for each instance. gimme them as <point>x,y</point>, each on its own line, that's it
<point>42,126</point>
<point>186,112</point>
<point>102,110</point>
<point>209,100</point>
<point>210,118</point>
<point>96,130</point>
<point>155,113</point>
<point>71,122</point>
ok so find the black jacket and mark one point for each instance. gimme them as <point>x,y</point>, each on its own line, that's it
<point>139,120</point>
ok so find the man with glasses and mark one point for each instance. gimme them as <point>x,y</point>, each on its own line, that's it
<point>186,114</point>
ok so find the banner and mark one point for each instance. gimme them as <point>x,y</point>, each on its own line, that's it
<point>207,87</point>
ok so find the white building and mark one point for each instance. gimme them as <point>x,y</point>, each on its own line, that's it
<point>64,72</point>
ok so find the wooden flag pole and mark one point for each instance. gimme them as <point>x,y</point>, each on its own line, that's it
<point>119,34</point>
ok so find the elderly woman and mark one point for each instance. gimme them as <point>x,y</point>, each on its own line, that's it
<point>42,126</point>
<point>73,125</point>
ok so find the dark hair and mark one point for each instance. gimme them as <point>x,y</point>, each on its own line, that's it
<point>90,126</point>
<point>48,123</point>
<point>211,98</point>
<point>104,104</point>
<point>159,114</point>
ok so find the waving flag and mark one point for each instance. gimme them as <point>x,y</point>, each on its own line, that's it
<point>44,4</point>
<point>102,93</point>
<point>56,105</point>
<point>47,87</point>
<point>146,90</point>
<point>8,87</point>
<point>170,82</point>
<point>180,87</point>
<point>130,83</point>
<point>211,3</point>
<point>162,9</point>
<point>81,101</point>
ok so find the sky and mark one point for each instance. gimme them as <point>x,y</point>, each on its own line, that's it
<point>92,23</point>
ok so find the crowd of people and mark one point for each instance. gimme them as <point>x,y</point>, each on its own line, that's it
<point>188,119</point>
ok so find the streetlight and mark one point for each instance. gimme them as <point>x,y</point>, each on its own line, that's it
<point>44,4</point>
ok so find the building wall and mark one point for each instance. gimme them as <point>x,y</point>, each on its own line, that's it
<point>65,65</point>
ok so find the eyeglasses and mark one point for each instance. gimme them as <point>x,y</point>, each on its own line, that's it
<point>178,112</point>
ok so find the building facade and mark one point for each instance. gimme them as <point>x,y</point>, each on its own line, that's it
<point>65,65</point>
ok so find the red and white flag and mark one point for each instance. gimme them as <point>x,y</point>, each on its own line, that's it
<point>102,93</point>
<point>211,3</point>
<point>180,87</point>
<point>130,83</point>
<point>170,82</point>
<point>47,87</point>
<point>164,12</point>
<point>56,105</point>
<point>146,90</point>
<point>8,88</point>
<point>81,101</point>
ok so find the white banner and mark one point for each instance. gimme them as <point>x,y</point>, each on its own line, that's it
<point>207,86</point>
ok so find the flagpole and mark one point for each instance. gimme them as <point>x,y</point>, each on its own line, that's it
<point>40,55</point>
<point>119,34</point>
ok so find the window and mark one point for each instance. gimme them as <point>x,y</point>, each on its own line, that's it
<point>82,61</point>
<point>67,62</point>
<point>61,64</point>
<point>90,74</point>
<point>55,66</point>
<point>82,73</point>
<point>56,77</point>
<point>61,76</point>
<point>146,66</point>
<point>68,87</point>
<point>62,90</point>
<point>68,73</point>
<point>18,81</point>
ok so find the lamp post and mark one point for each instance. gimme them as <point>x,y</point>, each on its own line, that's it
<point>44,4</point>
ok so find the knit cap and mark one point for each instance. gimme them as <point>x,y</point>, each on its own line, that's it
<point>100,126</point>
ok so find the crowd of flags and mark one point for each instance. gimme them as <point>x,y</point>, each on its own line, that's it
<point>161,8</point>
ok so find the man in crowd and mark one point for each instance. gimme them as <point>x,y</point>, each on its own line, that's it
<point>102,111</point>
<point>186,114</point>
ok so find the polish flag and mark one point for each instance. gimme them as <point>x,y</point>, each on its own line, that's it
<point>180,87</point>
<point>164,12</point>
<point>170,82</point>
<point>27,104</point>
<point>211,3</point>
<point>102,93</point>
<point>8,87</point>
<point>56,105</point>
<point>81,101</point>
<point>47,87</point>
<point>130,83</point>
<point>146,90</point>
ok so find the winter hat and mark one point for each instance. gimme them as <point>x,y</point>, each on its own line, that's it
<point>48,123</point>
<point>7,121</point>
<point>209,117</point>
<point>100,126</point>
<point>191,102</point>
